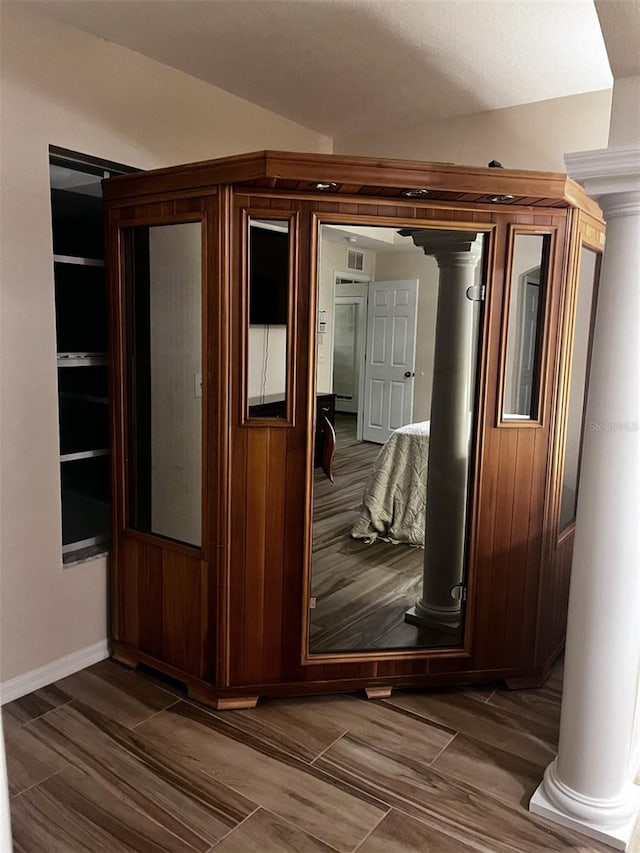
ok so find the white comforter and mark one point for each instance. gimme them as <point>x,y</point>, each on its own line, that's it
<point>395,497</point>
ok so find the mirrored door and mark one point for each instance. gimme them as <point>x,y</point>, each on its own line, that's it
<point>389,534</point>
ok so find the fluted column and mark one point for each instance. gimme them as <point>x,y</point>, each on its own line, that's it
<point>457,254</point>
<point>589,787</point>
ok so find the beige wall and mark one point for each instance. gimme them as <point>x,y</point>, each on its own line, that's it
<point>625,112</point>
<point>66,88</point>
<point>333,259</point>
<point>531,136</point>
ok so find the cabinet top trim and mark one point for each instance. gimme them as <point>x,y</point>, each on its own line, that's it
<point>360,176</point>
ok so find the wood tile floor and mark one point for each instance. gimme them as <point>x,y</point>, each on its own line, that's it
<point>362,590</point>
<point>114,760</point>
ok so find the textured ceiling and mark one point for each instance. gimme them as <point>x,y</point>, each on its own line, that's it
<point>354,66</point>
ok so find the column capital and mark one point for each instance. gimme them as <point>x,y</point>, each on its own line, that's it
<point>610,175</point>
<point>449,248</point>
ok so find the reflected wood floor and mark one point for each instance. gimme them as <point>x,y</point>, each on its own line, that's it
<point>362,591</point>
<point>112,760</point>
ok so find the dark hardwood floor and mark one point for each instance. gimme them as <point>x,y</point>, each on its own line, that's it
<point>111,760</point>
<point>362,590</point>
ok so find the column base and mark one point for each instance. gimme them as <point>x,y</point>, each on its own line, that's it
<point>431,616</point>
<point>616,836</point>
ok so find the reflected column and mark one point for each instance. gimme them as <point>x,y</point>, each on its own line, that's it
<point>457,254</point>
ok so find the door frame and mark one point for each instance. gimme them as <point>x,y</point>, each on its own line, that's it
<point>360,335</point>
<point>365,281</point>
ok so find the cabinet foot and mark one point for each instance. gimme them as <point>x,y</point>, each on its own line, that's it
<point>224,703</point>
<point>378,692</point>
<point>125,657</point>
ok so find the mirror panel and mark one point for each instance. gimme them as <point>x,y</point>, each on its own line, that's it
<point>578,382</point>
<point>396,379</point>
<point>163,279</point>
<point>269,273</point>
<point>529,265</point>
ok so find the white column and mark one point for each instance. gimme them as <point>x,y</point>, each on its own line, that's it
<point>457,254</point>
<point>589,787</point>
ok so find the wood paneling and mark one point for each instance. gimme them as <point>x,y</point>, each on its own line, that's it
<point>514,479</point>
<point>230,618</point>
<point>183,587</point>
<point>150,587</point>
<point>161,616</point>
<point>163,593</point>
<point>289,171</point>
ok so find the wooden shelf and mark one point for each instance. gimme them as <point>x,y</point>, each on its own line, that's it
<point>84,454</point>
<point>82,359</point>
<point>73,259</point>
<point>82,545</point>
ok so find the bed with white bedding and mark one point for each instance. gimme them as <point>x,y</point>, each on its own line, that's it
<point>395,497</point>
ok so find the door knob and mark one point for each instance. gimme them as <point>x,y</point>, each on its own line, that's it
<point>408,374</point>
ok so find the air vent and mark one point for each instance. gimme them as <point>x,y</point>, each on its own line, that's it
<point>355,260</point>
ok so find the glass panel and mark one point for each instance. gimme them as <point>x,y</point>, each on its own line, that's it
<point>268,271</point>
<point>164,296</point>
<point>395,415</point>
<point>587,282</point>
<point>526,315</point>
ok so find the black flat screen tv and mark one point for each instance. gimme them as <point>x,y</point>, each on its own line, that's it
<point>268,277</point>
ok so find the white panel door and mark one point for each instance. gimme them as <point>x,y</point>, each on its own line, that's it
<point>390,358</point>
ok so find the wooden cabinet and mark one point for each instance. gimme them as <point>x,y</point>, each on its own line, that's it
<point>220,575</point>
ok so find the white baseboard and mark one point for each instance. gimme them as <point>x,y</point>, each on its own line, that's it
<point>19,686</point>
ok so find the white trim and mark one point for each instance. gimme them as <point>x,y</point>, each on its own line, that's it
<point>19,686</point>
<point>603,162</point>
<point>606,171</point>
<point>270,224</point>
<point>615,205</point>
<point>365,280</point>
<point>356,277</point>
<point>618,837</point>
<point>360,334</point>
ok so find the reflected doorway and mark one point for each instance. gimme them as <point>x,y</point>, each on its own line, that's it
<point>383,575</point>
<point>348,352</point>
